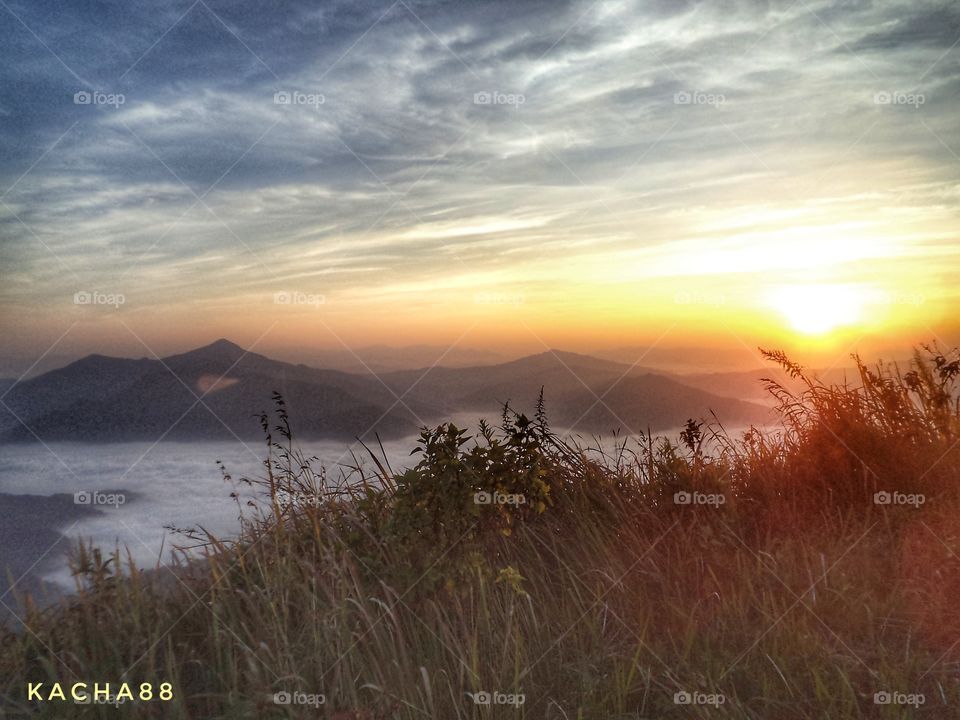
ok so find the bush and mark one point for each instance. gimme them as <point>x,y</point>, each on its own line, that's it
<point>603,594</point>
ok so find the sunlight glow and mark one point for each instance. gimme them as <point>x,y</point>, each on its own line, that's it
<point>816,309</point>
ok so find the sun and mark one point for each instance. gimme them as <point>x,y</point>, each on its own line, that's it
<point>816,309</point>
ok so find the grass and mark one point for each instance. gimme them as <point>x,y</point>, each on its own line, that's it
<point>802,594</point>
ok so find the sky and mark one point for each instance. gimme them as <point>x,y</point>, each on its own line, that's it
<point>504,175</point>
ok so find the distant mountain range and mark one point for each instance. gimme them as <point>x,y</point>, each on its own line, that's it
<point>386,358</point>
<point>216,392</point>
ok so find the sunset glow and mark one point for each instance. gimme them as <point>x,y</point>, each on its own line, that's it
<point>448,359</point>
<point>816,309</point>
<point>577,194</point>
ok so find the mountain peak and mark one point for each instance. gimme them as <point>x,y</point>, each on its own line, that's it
<point>554,357</point>
<point>223,345</point>
<point>221,349</point>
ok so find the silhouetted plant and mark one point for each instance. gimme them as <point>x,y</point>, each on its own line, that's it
<point>394,594</point>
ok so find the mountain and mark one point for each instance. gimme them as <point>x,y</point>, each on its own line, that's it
<point>564,374</point>
<point>684,360</point>
<point>749,385</point>
<point>592,394</point>
<point>217,391</point>
<point>113,399</point>
<point>385,358</point>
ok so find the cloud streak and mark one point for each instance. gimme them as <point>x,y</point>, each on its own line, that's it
<point>466,144</point>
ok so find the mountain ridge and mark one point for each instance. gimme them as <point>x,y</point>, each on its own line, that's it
<point>217,391</point>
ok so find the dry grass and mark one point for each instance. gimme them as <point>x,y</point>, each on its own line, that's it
<point>394,597</point>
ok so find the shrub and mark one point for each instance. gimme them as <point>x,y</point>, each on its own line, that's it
<point>598,596</point>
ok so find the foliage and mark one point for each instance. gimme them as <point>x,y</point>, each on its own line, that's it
<point>601,596</point>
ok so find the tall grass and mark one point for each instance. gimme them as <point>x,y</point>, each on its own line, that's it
<point>603,595</point>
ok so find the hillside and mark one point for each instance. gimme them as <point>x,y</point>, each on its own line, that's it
<point>217,391</point>
<point>110,399</point>
<point>594,394</point>
<point>803,575</point>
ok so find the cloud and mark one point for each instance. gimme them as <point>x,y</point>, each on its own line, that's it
<point>488,133</point>
<point>936,26</point>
